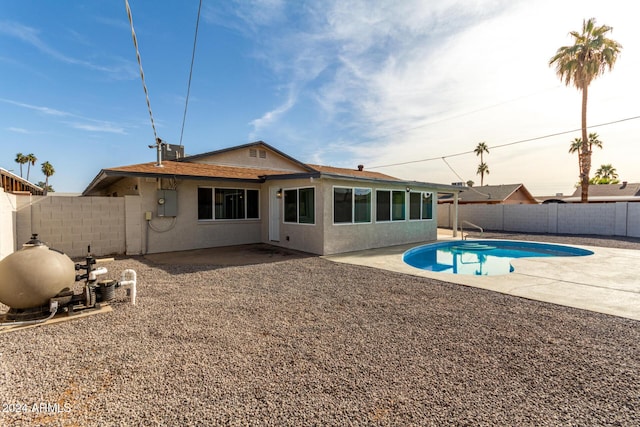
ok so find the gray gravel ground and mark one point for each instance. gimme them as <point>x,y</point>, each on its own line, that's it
<point>312,342</point>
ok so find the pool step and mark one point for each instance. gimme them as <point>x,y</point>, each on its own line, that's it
<point>472,247</point>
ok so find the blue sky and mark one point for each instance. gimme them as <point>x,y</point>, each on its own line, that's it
<point>335,82</point>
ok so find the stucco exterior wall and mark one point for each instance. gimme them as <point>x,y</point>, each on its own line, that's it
<point>353,237</point>
<point>185,231</point>
<point>301,237</point>
<point>241,157</point>
<point>7,223</point>
<point>518,197</point>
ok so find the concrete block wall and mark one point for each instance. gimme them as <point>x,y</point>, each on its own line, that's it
<point>490,217</point>
<point>633,219</point>
<point>534,218</point>
<point>72,224</point>
<point>606,219</point>
<point>578,218</point>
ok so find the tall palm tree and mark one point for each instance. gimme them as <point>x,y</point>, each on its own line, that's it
<point>482,169</point>
<point>480,149</point>
<point>47,170</point>
<point>579,64</point>
<point>31,160</point>
<point>21,159</point>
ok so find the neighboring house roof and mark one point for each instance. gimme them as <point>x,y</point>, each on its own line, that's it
<point>624,189</point>
<point>489,194</point>
<point>186,169</point>
<point>14,184</point>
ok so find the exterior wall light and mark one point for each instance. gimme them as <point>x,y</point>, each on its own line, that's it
<point>279,193</point>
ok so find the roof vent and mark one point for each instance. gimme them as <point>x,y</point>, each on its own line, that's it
<point>624,185</point>
<point>253,152</point>
<point>360,168</point>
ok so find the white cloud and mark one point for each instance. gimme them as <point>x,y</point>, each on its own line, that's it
<point>120,69</point>
<point>400,81</point>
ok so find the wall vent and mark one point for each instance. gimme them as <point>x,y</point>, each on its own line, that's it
<point>253,152</point>
<point>263,154</point>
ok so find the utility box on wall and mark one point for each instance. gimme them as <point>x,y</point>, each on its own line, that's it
<point>167,202</point>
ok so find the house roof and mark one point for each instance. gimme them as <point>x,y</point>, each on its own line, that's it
<point>184,169</point>
<point>489,193</point>
<point>624,189</point>
<point>237,147</point>
<point>13,183</point>
<point>352,173</point>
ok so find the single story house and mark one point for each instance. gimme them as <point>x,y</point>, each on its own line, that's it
<point>254,193</point>
<point>506,194</point>
<point>602,193</point>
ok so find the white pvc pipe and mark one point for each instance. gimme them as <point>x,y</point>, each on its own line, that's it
<point>97,272</point>
<point>130,282</point>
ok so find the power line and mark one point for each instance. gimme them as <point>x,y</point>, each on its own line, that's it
<point>144,85</point>
<point>504,145</point>
<point>193,56</point>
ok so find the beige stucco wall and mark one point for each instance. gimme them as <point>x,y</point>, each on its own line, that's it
<point>241,157</point>
<point>302,237</point>
<point>352,237</point>
<point>185,231</point>
<point>518,197</point>
<point>8,206</point>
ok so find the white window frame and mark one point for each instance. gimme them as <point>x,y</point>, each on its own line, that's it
<point>315,204</point>
<point>391,191</point>
<point>353,204</point>
<point>422,193</point>
<point>213,199</point>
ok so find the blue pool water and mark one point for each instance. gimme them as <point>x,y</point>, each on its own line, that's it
<point>482,257</point>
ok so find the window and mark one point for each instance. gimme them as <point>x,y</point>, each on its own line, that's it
<point>205,203</point>
<point>299,205</point>
<point>307,206</point>
<point>228,203</point>
<point>421,205</point>
<point>383,205</point>
<point>342,205</point>
<point>398,206</point>
<point>390,205</point>
<point>351,205</point>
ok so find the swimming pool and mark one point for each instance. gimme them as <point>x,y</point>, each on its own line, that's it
<point>482,257</point>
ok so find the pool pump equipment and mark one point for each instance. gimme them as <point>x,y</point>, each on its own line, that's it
<point>36,283</point>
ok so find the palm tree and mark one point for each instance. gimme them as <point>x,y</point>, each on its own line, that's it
<point>45,187</point>
<point>480,149</point>
<point>606,174</point>
<point>31,160</point>
<point>21,159</point>
<point>47,170</point>
<point>579,64</point>
<point>576,146</point>
<point>482,169</point>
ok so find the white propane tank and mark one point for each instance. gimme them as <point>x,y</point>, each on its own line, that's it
<point>34,274</point>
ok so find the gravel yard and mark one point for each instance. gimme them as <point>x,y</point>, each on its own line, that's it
<point>312,342</point>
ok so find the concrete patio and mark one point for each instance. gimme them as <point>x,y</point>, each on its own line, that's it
<point>606,282</point>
